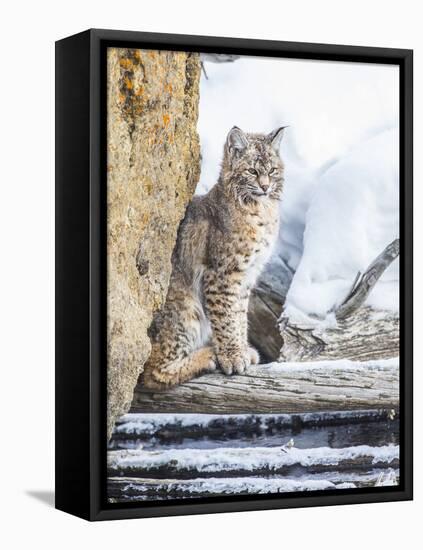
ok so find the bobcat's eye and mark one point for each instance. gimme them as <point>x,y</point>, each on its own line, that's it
<point>272,171</point>
<point>252,171</point>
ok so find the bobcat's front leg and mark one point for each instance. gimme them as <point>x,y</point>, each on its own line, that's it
<point>228,318</point>
<point>254,356</point>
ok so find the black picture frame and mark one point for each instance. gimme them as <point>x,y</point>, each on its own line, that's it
<point>81,272</point>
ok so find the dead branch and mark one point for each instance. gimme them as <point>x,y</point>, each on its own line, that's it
<point>364,283</point>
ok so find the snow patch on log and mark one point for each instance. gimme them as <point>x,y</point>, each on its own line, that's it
<point>149,424</point>
<point>335,365</point>
<point>231,486</point>
<point>246,459</point>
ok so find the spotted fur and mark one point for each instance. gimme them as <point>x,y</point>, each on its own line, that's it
<point>223,243</point>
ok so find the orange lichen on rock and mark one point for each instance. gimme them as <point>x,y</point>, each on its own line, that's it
<point>136,54</point>
<point>126,63</point>
<point>128,83</point>
<point>166,120</point>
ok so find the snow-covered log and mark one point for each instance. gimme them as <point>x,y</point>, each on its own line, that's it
<point>134,488</point>
<point>359,333</point>
<point>282,388</point>
<point>164,426</point>
<point>248,461</point>
<point>365,335</point>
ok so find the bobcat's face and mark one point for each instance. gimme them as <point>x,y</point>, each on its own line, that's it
<point>255,166</point>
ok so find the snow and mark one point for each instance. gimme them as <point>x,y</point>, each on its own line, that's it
<point>353,215</point>
<point>237,485</point>
<point>329,106</point>
<point>340,203</point>
<point>336,365</point>
<point>250,459</point>
<point>386,479</point>
<point>135,488</point>
<point>150,423</point>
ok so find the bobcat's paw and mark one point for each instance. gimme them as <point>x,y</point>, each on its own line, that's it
<point>234,363</point>
<point>211,365</point>
<point>254,356</point>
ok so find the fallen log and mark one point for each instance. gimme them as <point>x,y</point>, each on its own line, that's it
<point>249,461</point>
<point>164,427</point>
<point>366,335</point>
<point>361,333</point>
<point>121,489</point>
<point>287,388</point>
<point>129,489</point>
<point>335,429</point>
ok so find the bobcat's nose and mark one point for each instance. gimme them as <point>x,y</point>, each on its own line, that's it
<point>264,183</point>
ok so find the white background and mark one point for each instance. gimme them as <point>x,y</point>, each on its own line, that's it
<point>26,246</point>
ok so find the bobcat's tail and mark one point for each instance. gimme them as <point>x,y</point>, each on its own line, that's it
<point>162,376</point>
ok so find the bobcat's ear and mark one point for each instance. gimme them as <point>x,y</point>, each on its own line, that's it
<point>236,140</point>
<point>276,136</point>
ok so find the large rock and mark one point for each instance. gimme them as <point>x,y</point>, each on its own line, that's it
<point>153,167</point>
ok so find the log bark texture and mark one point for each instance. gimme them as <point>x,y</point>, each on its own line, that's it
<point>365,335</point>
<point>153,166</point>
<point>279,390</point>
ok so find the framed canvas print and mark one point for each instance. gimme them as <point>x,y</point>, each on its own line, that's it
<point>234,274</point>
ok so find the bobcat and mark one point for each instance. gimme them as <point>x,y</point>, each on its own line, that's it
<point>223,243</point>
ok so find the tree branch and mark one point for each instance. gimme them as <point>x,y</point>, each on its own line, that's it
<point>363,284</point>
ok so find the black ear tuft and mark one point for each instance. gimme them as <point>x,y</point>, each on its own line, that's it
<point>236,140</point>
<point>276,136</point>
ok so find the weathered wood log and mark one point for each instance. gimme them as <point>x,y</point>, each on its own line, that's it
<point>365,335</point>
<point>144,426</point>
<point>351,432</point>
<point>282,388</point>
<point>361,333</point>
<point>132,488</point>
<point>251,461</point>
<point>277,338</point>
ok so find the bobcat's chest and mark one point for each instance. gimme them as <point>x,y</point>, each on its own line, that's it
<point>263,237</point>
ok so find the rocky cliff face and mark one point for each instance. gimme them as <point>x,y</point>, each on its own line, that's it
<point>153,166</point>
